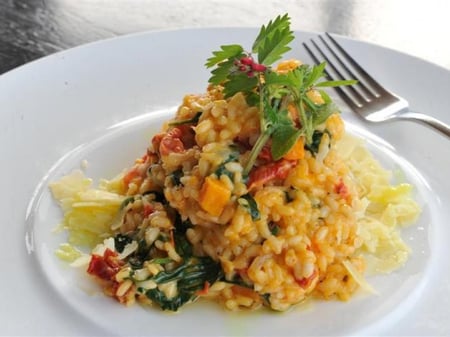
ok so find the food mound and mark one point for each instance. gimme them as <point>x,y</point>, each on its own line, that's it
<point>252,195</point>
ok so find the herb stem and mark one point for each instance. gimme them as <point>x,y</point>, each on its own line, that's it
<point>261,141</point>
<point>262,120</point>
<point>303,121</point>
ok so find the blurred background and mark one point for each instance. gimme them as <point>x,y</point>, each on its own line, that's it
<point>30,29</point>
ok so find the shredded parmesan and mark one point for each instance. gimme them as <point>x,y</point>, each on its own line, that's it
<point>359,278</point>
<point>388,207</point>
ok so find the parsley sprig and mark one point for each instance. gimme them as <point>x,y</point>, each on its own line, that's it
<point>272,92</point>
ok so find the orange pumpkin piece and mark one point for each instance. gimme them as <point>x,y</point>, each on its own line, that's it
<point>297,151</point>
<point>214,195</point>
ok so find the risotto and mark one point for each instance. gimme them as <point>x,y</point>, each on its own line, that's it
<point>241,199</point>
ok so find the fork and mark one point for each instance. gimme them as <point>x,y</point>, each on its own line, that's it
<point>367,98</point>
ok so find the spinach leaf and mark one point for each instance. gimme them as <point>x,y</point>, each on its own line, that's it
<point>126,202</point>
<point>120,241</point>
<point>313,147</point>
<point>176,177</point>
<point>193,120</point>
<point>274,228</point>
<point>250,204</point>
<point>157,196</point>
<point>234,155</point>
<point>137,259</point>
<point>182,246</point>
<point>172,304</point>
<point>190,276</point>
<point>266,299</point>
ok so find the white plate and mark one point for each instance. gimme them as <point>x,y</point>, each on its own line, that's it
<point>102,102</point>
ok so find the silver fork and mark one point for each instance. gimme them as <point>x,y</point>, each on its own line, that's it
<point>367,98</point>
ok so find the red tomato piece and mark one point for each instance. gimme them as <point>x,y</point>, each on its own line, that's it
<point>266,154</point>
<point>148,209</point>
<point>156,141</point>
<point>187,135</point>
<point>341,189</point>
<point>263,174</point>
<point>130,175</point>
<point>205,289</point>
<point>307,281</point>
<point>171,142</point>
<point>106,266</point>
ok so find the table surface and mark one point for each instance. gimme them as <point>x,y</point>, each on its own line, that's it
<point>30,29</point>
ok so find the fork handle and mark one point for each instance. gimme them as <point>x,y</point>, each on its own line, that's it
<point>426,120</point>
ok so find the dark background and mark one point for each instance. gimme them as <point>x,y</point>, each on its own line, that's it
<point>30,29</point>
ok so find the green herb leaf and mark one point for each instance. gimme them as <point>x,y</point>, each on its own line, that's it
<point>273,92</point>
<point>283,138</point>
<point>322,113</point>
<point>326,98</point>
<point>319,112</point>
<point>227,52</point>
<point>275,47</point>
<point>314,74</point>
<point>252,98</point>
<point>239,83</point>
<point>335,83</point>
<point>221,73</point>
<point>270,113</point>
<point>273,39</point>
<point>292,79</point>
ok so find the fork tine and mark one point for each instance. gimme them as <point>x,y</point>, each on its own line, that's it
<point>338,71</point>
<point>344,95</point>
<point>367,90</point>
<point>367,77</point>
<point>384,106</point>
<point>360,91</point>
